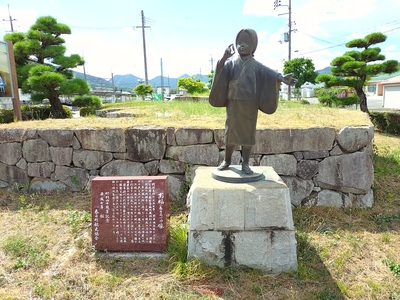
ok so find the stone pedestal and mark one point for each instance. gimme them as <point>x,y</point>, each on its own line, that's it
<point>242,224</point>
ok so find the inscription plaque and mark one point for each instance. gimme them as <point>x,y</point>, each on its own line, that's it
<point>129,213</point>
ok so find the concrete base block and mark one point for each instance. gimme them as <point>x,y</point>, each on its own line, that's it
<point>242,224</point>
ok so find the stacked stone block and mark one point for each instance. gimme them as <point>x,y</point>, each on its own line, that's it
<point>321,166</point>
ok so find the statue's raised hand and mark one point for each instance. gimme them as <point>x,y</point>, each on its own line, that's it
<point>228,52</point>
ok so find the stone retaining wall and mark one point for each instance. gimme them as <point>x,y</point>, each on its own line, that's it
<point>320,165</point>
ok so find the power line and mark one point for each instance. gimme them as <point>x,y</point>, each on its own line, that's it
<point>393,29</point>
<point>328,42</point>
<point>322,49</point>
<point>395,22</point>
<point>99,28</point>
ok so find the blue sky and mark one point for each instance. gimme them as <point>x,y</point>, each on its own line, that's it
<point>190,36</point>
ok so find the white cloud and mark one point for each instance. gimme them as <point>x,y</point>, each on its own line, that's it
<point>258,8</point>
<point>262,34</point>
<point>187,47</point>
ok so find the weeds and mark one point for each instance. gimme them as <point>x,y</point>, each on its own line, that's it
<point>328,295</point>
<point>395,268</point>
<point>177,248</point>
<point>27,252</point>
<point>78,220</point>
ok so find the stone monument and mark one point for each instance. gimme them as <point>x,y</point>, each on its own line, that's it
<point>129,213</point>
<point>242,224</point>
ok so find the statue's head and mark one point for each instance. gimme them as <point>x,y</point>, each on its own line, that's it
<point>246,42</point>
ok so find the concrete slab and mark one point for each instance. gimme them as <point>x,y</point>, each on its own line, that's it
<point>242,224</point>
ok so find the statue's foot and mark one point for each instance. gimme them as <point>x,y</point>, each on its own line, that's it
<point>246,169</point>
<point>223,166</point>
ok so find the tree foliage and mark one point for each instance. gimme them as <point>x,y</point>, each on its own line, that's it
<point>210,79</point>
<point>336,96</point>
<point>302,69</point>
<point>191,85</point>
<point>143,90</point>
<point>87,101</point>
<point>354,68</point>
<point>43,70</point>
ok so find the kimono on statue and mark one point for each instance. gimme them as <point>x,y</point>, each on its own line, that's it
<point>244,86</point>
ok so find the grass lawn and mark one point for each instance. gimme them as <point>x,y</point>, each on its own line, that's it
<point>46,251</point>
<point>290,114</point>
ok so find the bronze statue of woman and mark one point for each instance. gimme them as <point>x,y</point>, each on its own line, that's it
<point>244,86</point>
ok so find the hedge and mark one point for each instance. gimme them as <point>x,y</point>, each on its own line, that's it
<point>388,122</point>
<point>31,112</point>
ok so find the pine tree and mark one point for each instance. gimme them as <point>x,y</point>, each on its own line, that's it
<point>43,70</point>
<point>355,68</point>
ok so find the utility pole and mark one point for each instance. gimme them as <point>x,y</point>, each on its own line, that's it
<point>288,37</point>
<point>10,19</point>
<point>290,43</point>
<point>113,88</point>
<point>16,100</point>
<point>84,72</point>
<point>162,81</point>
<point>212,63</point>
<point>290,30</point>
<point>146,78</point>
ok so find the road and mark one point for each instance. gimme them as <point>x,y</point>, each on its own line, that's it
<point>374,102</point>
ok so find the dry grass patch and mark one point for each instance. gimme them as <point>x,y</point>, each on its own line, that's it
<point>46,251</point>
<point>292,114</point>
<point>342,253</point>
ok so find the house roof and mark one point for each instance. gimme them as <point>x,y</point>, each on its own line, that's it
<point>312,86</point>
<point>383,76</point>
<point>393,80</point>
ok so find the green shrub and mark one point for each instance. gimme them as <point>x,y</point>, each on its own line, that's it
<point>305,102</point>
<point>35,112</point>
<point>329,97</point>
<point>87,111</point>
<point>393,122</point>
<point>326,100</point>
<point>378,119</point>
<point>87,101</point>
<point>42,112</point>
<point>347,101</point>
<point>6,116</point>
<point>388,122</point>
<point>333,100</point>
<point>32,112</point>
<point>67,113</point>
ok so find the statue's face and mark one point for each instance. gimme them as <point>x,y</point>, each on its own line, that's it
<point>244,44</point>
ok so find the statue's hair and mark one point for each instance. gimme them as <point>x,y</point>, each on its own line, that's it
<point>253,36</point>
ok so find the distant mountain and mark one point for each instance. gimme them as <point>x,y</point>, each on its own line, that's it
<point>128,82</point>
<point>125,82</point>
<point>326,70</point>
<point>94,82</point>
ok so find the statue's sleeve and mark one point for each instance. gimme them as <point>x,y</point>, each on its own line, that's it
<point>269,90</point>
<point>219,88</point>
